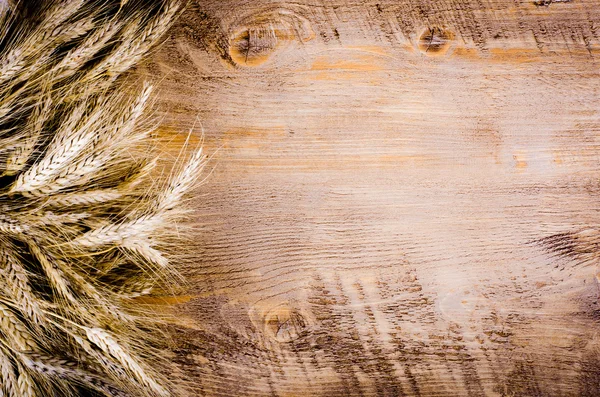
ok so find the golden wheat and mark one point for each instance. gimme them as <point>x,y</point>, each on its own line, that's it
<point>80,236</point>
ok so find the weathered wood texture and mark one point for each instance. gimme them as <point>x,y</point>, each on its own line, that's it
<point>405,198</point>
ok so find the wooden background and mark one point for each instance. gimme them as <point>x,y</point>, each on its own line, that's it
<point>405,196</point>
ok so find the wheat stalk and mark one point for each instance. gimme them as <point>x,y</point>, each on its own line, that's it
<point>81,233</point>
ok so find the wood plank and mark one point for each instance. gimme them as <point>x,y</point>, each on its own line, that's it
<point>404,199</point>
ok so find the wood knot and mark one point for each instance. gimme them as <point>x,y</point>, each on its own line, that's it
<point>257,37</point>
<point>435,41</point>
<point>285,324</point>
<point>253,46</point>
<point>546,3</point>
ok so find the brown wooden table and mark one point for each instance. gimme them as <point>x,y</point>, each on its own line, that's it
<point>405,198</point>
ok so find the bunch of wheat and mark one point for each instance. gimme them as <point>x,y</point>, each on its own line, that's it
<point>81,232</point>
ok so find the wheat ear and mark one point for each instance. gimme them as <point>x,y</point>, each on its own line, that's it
<point>19,286</point>
<point>9,382</point>
<point>15,331</point>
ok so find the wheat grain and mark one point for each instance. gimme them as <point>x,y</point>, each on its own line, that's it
<point>11,226</point>
<point>25,384</point>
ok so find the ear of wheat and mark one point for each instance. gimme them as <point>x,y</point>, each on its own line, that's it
<point>81,234</point>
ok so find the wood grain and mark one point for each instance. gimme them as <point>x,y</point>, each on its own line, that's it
<point>404,201</point>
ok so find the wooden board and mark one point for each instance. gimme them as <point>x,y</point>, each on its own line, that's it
<point>405,198</point>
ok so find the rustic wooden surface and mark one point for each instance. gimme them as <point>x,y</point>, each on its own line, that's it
<point>405,198</point>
